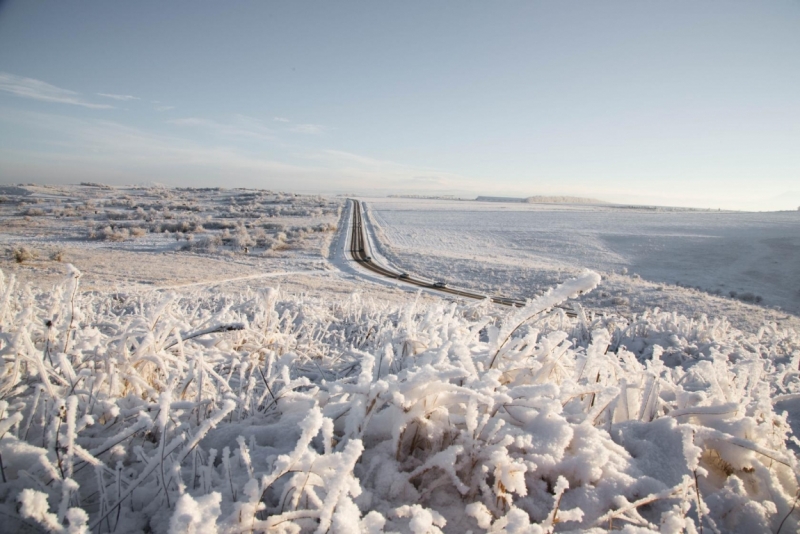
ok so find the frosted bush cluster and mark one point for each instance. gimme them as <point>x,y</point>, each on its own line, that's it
<point>203,220</point>
<point>264,412</point>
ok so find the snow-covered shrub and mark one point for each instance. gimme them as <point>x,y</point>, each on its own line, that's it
<point>241,238</point>
<point>206,243</point>
<point>137,231</point>
<point>179,226</point>
<point>109,233</point>
<point>216,224</point>
<point>262,412</point>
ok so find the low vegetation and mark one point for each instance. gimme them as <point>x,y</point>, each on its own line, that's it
<point>22,254</point>
<point>268,412</point>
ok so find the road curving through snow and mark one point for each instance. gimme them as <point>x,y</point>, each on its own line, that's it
<point>359,252</point>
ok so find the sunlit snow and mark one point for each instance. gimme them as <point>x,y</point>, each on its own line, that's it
<point>224,368</point>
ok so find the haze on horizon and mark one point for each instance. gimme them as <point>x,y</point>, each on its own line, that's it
<point>680,103</point>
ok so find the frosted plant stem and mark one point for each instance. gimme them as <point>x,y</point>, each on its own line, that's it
<point>76,275</point>
<point>612,514</point>
<point>152,465</point>
<point>567,290</point>
<point>699,502</point>
<point>794,504</point>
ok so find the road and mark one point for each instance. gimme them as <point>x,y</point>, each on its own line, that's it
<point>360,253</point>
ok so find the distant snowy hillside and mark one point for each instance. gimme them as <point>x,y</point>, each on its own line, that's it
<point>538,199</point>
<point>517,249</point>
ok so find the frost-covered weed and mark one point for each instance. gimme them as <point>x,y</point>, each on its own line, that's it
<point>22,254</point>
<point>263,412</point>
<point>109,233</point>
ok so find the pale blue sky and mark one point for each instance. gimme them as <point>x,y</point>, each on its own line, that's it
<point>681,103</point>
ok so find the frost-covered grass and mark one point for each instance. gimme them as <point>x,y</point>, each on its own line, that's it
<point>214,220</point>
<point>269,412</point>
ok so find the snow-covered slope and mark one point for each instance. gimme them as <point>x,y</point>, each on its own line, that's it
<point>518,249</point>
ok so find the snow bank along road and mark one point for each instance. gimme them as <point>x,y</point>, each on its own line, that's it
<point>358,251</point>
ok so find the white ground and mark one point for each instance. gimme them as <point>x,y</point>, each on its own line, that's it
<point>684,260</point>
<point>220,365</point>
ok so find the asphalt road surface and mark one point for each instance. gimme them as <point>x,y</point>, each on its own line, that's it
<point>360,253</point>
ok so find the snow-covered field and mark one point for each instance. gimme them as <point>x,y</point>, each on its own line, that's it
<point>521,249</point>
<point>207,361</point>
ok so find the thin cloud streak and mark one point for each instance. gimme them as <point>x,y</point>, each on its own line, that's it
<point>125,154</point>
<point>242,126</point>
<point>39,90</point>
<point>106,145</point>
<point>124,98</point>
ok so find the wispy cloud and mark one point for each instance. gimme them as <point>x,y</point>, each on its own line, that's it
<point>39,90</point>
<point>241,125</point>
<point>192,121</point>
<point>124,98</point>
<point>164,108</point>
<point>73,148</point>
<point>281,119</point>
<point>312,129</point>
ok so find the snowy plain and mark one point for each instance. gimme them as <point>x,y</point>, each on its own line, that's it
<point>210,361</point>
<point>519,249</point>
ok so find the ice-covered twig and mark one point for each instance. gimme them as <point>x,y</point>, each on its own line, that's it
<point>210,330</point>
<point>620,512</point>
<point>569,289</point>
<point>154,462</point>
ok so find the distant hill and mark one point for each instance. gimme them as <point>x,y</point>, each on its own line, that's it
<point>562,200</point>
<point>499,199</point>
<point>539,199</point>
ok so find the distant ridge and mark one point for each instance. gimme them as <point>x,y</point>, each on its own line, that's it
<point>539,199</point>
<point>499,199</point>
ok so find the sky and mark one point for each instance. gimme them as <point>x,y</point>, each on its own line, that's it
<point>672,103</point>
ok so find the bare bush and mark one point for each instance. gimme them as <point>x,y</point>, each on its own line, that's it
<point>750,298</point>
<point>137,231</point>
<point>179,226</point>
<point>97,185</point>
<point>109,233</point>
<point>117,215</point>
<point>22,254</point>
<point>209,243</point>
<point>218,225</point>
<point>33,212</point>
